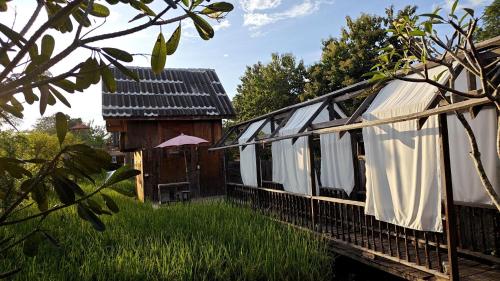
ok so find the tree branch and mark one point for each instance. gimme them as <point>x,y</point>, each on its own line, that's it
<point>61,13</point>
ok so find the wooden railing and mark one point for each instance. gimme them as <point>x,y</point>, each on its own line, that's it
<point>344,221</point>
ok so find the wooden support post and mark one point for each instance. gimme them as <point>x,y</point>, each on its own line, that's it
<point>355,162</point>
<point>257,165</point>
<point>449,208</point>
<point>224,170</point>
<point>312,174</point>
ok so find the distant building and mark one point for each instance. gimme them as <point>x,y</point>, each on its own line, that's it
<point>143,114</point>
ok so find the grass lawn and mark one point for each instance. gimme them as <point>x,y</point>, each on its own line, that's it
<point>196,241</point>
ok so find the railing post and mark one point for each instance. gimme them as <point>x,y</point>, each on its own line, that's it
<point>312,175</point>
<point>446,183</point>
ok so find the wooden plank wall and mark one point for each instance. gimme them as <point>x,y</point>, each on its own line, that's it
<point>167,165</point>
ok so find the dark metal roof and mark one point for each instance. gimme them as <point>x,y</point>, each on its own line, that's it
<point>173,93</point>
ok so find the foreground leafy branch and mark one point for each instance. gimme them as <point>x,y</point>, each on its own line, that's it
<point>421,43</point>
<point>27,59</point>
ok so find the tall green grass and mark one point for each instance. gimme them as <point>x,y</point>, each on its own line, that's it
<point>195,241</point>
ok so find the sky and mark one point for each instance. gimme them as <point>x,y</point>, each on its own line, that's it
<point>254,30</point>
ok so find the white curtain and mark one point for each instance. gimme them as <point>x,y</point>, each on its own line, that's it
<point>248,166</point>
<point>291,161</point>
<point>467,186</point>
<point>402,172</point>
<point>337,168</point>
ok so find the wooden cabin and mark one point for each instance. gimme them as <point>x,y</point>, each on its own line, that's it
<point>159,107</point>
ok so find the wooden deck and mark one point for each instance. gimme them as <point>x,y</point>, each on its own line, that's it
<point>410,254</point>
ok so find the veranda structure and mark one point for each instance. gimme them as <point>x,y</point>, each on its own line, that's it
<point>468,246</point>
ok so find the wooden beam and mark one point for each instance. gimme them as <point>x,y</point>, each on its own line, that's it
<point>331,123</point>
<point>252,137</point>
<point>435,102</point>
<point>446,183</point>
<point>241,133</point>
<point>426,113</point>
<point>311,118</point>
<point>338,95</point>
<point>224,137</point>
<point>361,108</point>
<point>471,86</point>
<point>283,123</point>
<point>430,112</point>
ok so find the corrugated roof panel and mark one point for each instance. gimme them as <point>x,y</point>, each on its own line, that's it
<point>174,92</point>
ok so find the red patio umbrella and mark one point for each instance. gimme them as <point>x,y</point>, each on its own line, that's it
<point>182,140</point>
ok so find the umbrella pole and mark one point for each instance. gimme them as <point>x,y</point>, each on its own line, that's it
<point>186,165</point>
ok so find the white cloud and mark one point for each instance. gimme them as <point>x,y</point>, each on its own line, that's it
<point>226,55</point>
<point>253,5</point>
<point>221,25</point>
<point>255,20</point>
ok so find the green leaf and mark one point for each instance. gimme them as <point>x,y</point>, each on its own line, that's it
<point>110,203</point>
<point>417,32</point>
<point>96,77</point>
<point>159,54</point>
<point>469,11</point>
<point>15,103</point>
<point>378,76</point>
<point>432,16</point>
<point>12,110</point>
<point>29,96</point>
<point>173,42</point>
<point>3,8</point>
<point>186,3</point>
<point>66,85</point>
<point>81,18</point>
<point>220,7</point>
<point>107,77</point>
<point>59,96</point>
<point>32,244</point>
<point>454,7</point>
<point>171,3</point>
<point>428,27</point>
<point>138,5</point>
<point>438,76</point>
<point>15,37</point>
<point>44,97</point>
<point>139,16</point>
<point>121,174</point>
<point>48,43</point>
<point>85,76</point>
<point>98,10</point>
<point>122,68</point>
<point>202,26</point>
<point>63,191</point>
<point>196,3</point>
<point>61,127</point>
<point>86,214</point>
<point>4,58</point>
<point>51,239</point>
<point>118,54</point>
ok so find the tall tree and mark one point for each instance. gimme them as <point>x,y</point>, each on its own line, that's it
<point>271,86</point>
<point>47,124</point>
<point>346,59</point>
<point>491,22</point>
